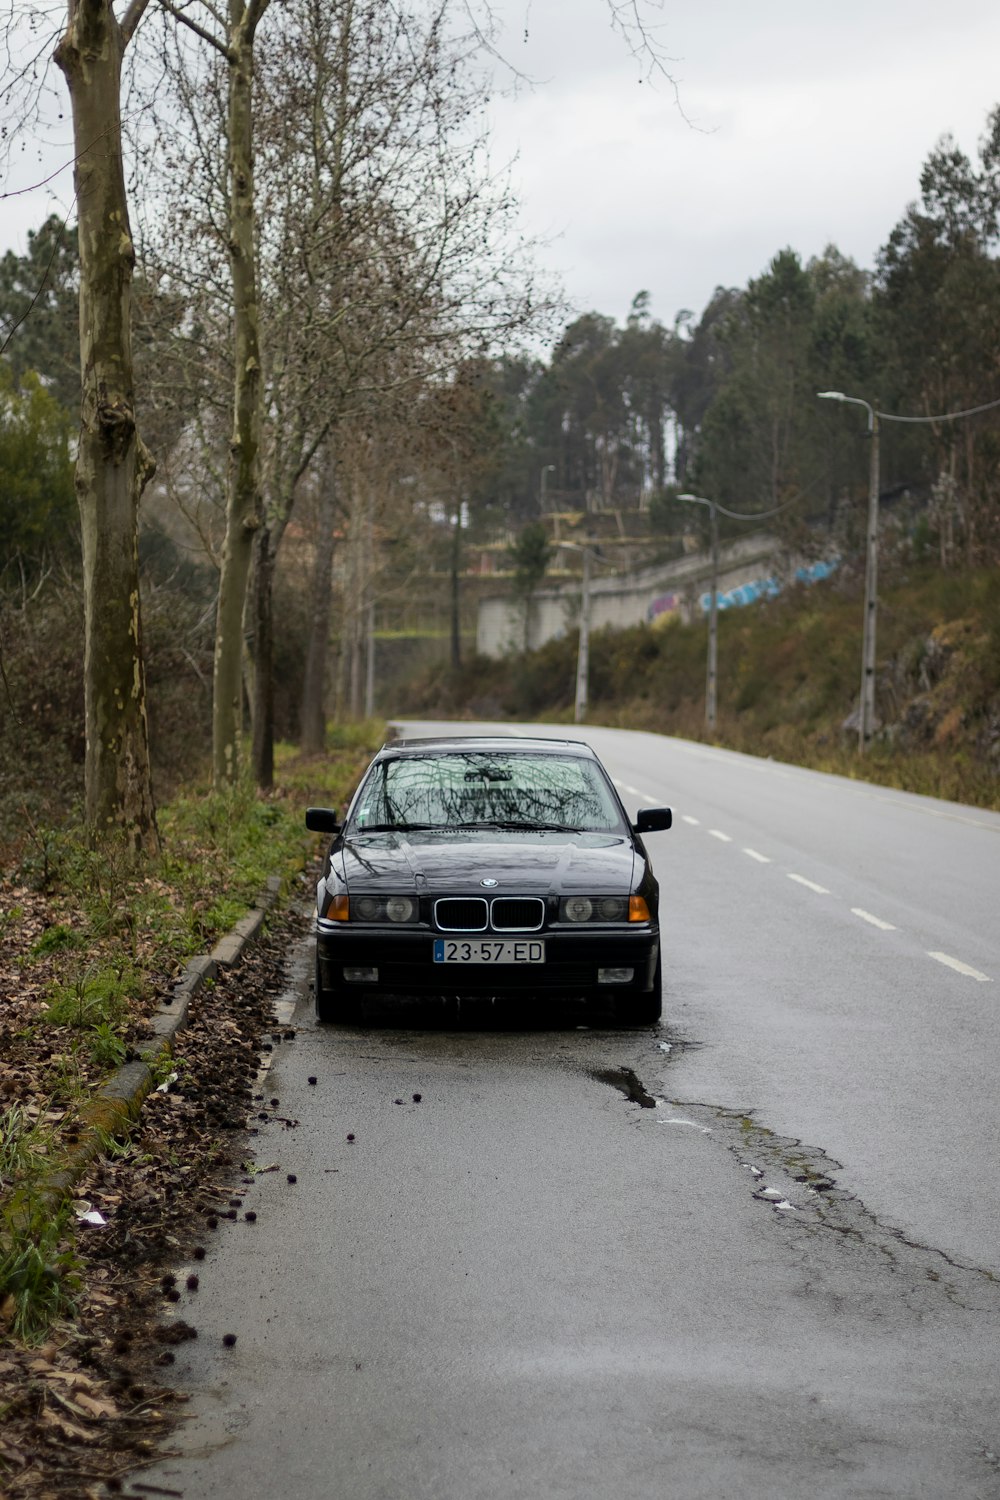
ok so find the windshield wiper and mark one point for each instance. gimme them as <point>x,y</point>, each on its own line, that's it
<point>399,828</point>
<point>516,824</point>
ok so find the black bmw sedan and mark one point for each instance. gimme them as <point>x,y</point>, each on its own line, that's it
<point>473,867</point>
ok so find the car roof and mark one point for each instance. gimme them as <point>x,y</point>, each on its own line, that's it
<point>509,743</point>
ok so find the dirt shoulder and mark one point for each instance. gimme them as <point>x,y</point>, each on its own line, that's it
<point>87,1405</point>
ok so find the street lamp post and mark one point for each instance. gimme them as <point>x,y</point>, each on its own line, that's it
<point>713,612</point>
<point>866,715</point>
<point>583,648</point>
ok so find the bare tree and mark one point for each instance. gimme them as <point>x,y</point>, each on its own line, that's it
<point>384,244</point>
<point>113,464</point>
<point>233,36</point>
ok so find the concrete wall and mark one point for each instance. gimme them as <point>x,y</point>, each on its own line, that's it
<point>628,599</point>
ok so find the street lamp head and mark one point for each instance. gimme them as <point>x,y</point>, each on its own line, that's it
<point>851,401</point>
<point>696,499</point>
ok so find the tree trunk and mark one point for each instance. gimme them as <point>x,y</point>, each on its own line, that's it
<point>263,659</point>
<point>456,603</point>
<point>355,668</point>
<point>313,717</point>
<point>370,660</point>
<point>113,465</point>
<point>243,501</point>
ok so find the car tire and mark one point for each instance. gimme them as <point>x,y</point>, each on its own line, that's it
<point>333,1005</point>
<point>643,1010</point>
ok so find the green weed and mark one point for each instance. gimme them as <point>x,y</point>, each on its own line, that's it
<point>106,1047</point>
<point>65,1078</point>
<point>25,1144</point>
<point>54,938</point>
<point>39,1269</point>
<point>8,918</point>
<point>96,997</point>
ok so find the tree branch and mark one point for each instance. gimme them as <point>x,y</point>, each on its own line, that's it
<point>132,18</point>
<point>254,11</point>
<point>202,31</point>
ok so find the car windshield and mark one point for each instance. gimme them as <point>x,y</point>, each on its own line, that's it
<point>470,788</point>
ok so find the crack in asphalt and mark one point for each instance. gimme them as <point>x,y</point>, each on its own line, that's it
<point>799,1183</point>
<point>807,1181</point>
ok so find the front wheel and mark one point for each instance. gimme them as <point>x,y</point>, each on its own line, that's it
<point>643,1010</point>
<point>333,1005</point>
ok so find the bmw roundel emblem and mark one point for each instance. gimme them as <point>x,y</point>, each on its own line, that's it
<point>489,882</point>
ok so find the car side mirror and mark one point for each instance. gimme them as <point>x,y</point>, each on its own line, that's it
<point>322,820</point>
<point>653,819</point>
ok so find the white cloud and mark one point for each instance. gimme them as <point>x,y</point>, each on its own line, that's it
<point>809,125</point>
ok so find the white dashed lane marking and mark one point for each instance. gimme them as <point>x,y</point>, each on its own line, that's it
<point>866,916</point>
<point>820,890</point>
<point>810,885</point>
<point>959,967</point>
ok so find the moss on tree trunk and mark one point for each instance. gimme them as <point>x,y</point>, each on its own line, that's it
<point>113,466</point>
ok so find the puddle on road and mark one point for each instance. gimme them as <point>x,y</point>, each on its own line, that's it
<point>626,1081</point>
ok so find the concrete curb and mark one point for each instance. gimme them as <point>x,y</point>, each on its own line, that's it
<point>118,1102</point>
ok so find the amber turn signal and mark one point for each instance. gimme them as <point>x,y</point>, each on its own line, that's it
<point>638,911</point>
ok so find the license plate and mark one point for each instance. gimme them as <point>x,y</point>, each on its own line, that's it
<point>489,951</point>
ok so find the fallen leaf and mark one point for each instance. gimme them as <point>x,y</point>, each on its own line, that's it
<point>96,1408</point>
<point>71,1430</point>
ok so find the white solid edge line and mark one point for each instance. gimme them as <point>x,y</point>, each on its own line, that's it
<point>866,916</point>
<point>811,885</point>
<point>718,834</point>
<point>761,859</point>
<point>959,967</point>
<point>687,818</point>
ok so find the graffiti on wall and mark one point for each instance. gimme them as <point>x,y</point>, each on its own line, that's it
<point>744,593</point>
<point>767,588</point>
<point>663,604</point>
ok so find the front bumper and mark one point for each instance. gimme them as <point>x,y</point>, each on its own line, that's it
<point>405,964</point>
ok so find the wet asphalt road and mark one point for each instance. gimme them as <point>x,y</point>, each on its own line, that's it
<point>780,1279</point>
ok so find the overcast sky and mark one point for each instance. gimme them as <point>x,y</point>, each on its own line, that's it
<point>809,124</point>
<point>799,124</point>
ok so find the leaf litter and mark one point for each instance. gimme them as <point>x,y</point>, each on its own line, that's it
<point>87,1407</point>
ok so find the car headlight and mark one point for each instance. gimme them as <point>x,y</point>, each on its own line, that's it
<point>599,909</point>
<point>383,909</point>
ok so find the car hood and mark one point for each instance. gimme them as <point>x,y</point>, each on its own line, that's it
<point>522,863</point>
